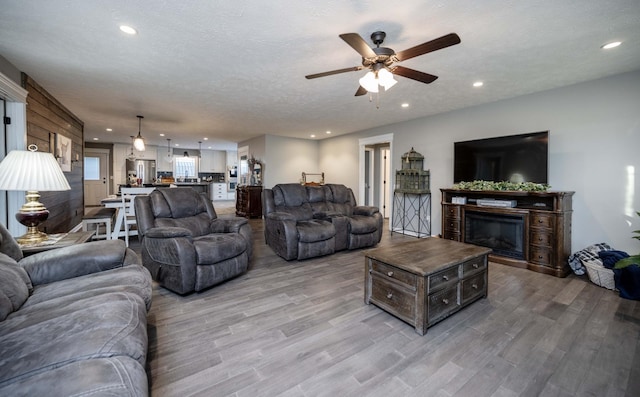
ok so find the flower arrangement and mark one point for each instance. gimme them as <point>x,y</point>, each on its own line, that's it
<point>503,186</point>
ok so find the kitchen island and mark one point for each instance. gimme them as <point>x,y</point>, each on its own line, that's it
<point>200,187</point>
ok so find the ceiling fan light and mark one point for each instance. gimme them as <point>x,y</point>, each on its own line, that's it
<point>369,82</point>
<point>385,78</point>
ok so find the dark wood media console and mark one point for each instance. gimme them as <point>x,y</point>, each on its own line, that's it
<point>544,218</point>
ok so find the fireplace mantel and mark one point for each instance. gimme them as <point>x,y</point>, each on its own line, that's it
<point>547,224</point>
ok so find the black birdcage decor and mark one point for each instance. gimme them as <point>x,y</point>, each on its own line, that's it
<point>412,178</point>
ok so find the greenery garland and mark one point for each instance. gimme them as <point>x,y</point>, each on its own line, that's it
<point>503,186</point>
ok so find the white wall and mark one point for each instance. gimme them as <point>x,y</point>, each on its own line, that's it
<point>288,158</point>
<point>594,150</point>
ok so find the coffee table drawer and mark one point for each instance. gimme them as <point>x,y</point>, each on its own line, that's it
<point>395,299</point>
<point>473,287</point>
<point>391,272</point>
<point>473,265</point>
<point>439,279</point>
<point>442,303</point>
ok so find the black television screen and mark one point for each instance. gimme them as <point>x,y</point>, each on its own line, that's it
<point>514,158</point>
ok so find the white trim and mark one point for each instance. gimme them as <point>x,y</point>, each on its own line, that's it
<point>16,138</point>
<point>11,91</point>
<point>371,173</point>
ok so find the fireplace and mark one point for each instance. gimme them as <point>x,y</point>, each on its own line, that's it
<point>504,233</point>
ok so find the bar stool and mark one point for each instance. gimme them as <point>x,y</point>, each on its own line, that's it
<point>99,216</point>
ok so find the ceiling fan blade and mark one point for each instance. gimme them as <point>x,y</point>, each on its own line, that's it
<point>337,71</point>
<point>414,74</point>
<point>429,46</point>
<point>361,91</point>
<point>357,43</point>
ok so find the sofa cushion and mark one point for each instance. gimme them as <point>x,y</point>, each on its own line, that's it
<point>131,279</point>
<point>315,230</point>
<point>360,224</point>
<point>106,325</point>
<point>13,289</point>
<point>198,225</point>
<point>214,248</point>
<point>113,376</point>
<point>292,198</point>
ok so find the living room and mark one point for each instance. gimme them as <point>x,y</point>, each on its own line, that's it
<point>301,328</point>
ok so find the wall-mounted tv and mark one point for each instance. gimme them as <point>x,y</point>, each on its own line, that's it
<point>513,158</point>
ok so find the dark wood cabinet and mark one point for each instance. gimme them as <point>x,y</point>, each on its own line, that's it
<point>249,201</point>
<point>544,243</point>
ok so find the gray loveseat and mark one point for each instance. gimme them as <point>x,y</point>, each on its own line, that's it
<point>307,221</point>
<point>185,246</point>
<point>73,321</point>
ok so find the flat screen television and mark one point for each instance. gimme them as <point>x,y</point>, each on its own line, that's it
<point>513,158</point>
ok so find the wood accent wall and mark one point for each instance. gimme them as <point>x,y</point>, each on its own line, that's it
<point>45,118</point>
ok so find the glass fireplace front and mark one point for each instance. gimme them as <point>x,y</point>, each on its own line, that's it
<point>504,233</point>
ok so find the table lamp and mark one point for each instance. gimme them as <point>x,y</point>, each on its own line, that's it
<point>32,171</point>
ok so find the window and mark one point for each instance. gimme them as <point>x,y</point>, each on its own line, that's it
<point>185,167</point>
<point>92,168</point>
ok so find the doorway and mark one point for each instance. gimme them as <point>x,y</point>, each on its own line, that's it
<point>375,178</point>
<point>96,176</point>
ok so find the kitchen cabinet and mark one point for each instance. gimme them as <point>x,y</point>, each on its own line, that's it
<point>219,191</point>
<point>232,158</point>
<point>213,161</point>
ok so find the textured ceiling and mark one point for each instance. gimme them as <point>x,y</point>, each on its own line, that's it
<point>230,70</point>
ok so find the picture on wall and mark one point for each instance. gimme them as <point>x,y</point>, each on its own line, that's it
<point>63,152</point>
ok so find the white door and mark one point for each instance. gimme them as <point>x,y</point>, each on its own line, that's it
<point>3,151</point>
<point>96,170</point>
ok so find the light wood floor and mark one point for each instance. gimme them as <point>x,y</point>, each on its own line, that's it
<point>302,329</point>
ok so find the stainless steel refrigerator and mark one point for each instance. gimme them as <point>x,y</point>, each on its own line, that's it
<point>141,169</point>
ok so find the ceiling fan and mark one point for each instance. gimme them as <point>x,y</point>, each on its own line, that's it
<point>380,61</point>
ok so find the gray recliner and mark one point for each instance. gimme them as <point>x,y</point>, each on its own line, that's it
<point>307,221</point>
<point>185,246</point>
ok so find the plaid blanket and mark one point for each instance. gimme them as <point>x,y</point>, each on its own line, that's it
<point>588,254</point>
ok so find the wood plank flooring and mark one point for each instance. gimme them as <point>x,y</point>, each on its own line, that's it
<point>302,329</point>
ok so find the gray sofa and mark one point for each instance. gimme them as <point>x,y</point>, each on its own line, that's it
<point>185,246</point>
<point>73,321</point>
<point>307,221</point>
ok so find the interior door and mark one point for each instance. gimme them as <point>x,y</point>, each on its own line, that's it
<point>3,151</point>
<point>96,176</point>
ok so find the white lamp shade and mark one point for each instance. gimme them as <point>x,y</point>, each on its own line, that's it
<point>138,143</point>
<point>369,82</point>
<point>24,170</point>
<point>385,78</point>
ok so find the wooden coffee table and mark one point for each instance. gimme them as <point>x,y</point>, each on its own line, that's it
<point>425,281</point>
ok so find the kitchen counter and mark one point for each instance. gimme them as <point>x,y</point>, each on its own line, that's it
<point>200,187</point>
<point>192,183</point>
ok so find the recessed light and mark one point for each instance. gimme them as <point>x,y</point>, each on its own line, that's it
<point>313,136</point>
<point>177,144</point>
<point>128,29</point>
<point>328,132</point>
<point>405,105</point>
<point>206,139</point>
<point>478,84</point>
<point>109,129</point>
<point>96,139</point>
<point>613,44</point>
<point>161,134</point>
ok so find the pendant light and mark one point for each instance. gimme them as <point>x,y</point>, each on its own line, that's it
<point>131,156</point>
<point>169,157</point>
<point>138,143</point>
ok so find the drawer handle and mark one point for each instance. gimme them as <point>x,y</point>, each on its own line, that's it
<point>390,274</point>
<point>474,286</point>
<point>475,266</point>
<point>389,295</point>
<point>540,221</point>
<point>539,256</point>
<point>445,301</point>
<point>539,238</point>
<point>445,278</point>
